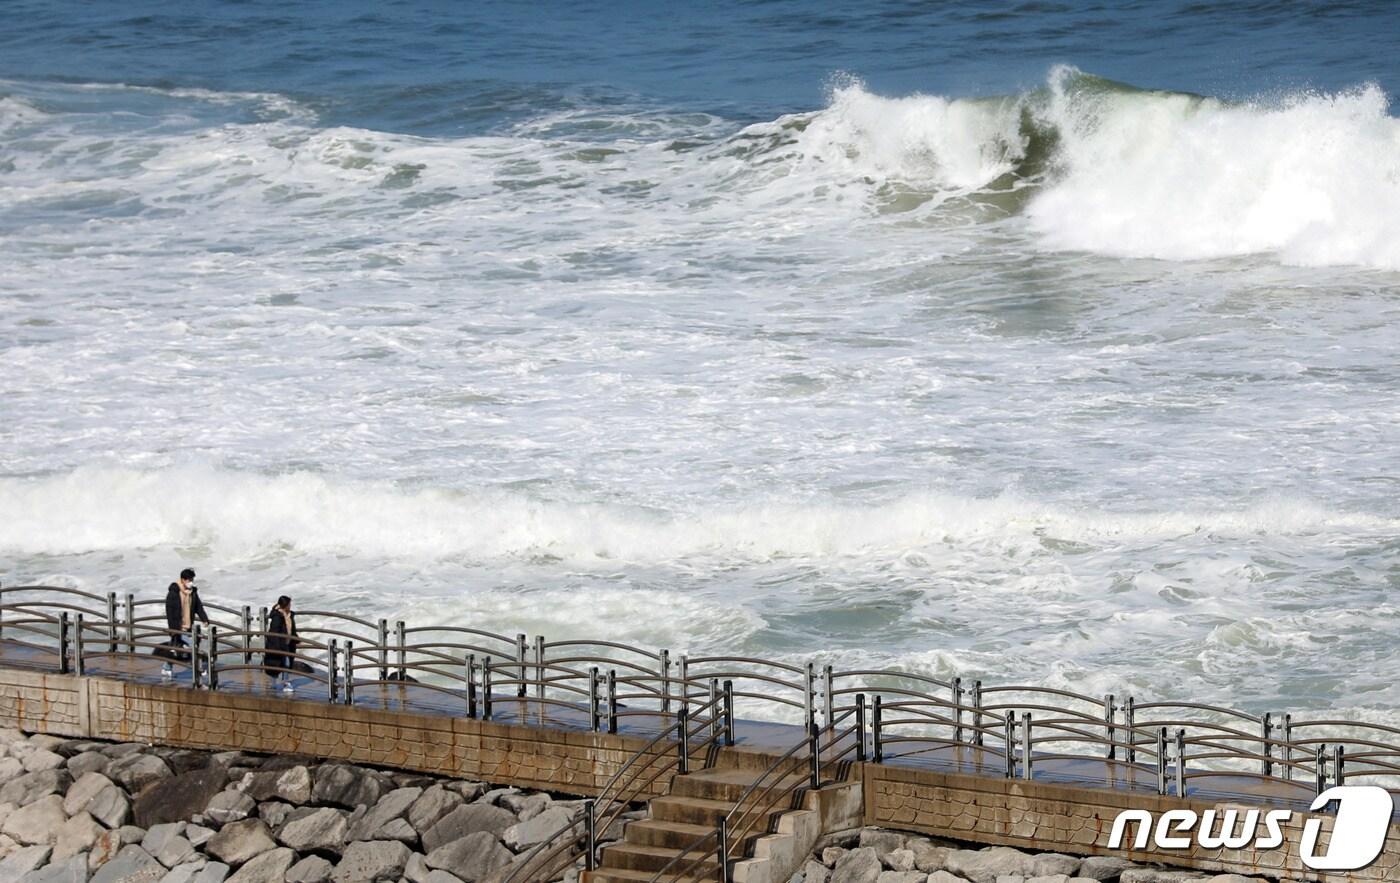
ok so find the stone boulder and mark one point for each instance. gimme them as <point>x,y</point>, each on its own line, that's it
<point>38,822</point>
<point>100,798</point>
<point>861,865</point>
<point>10,768</point>
<point>471,857</point>
<point>312,869</point>
<point>229,806</point>
<point>1104,868</point>
<point>167,843</point>
<point>73,869</point>
<point>899,860</point>
<point>292,785</point>
<point>536,829</point>
<point>372,860</point>
<point>269,867</point>
<point>186,873</point>
<point>882,841</point>
<point>135,771</point>
<point>944,877</point>
<point>466,820</point>
<point>132,865</point>
<point>178,798</point>
<point>238,842</point>
<point>927,857</point>
<point>23,861</point>
<point>40,760</point>
<point>986,865</point>
<point>394,805</point>
<point>319,829</point>
<point>110,843</point>
<point>902,877</point>
<point>87,762</point>
<point>431,806</point>
<point>33,786</point>
<point>78,834</point>
<point>1050,864</point>
<point>815,872</point>
<point>342,785</point>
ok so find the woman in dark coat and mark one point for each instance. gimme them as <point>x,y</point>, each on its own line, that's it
<point>281,640</point>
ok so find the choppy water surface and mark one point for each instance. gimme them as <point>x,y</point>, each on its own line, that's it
<point>1068,360</point>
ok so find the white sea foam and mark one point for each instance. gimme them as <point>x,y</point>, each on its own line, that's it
<point>242,515</point>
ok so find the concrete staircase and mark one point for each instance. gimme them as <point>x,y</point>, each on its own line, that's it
<point>777,842</point>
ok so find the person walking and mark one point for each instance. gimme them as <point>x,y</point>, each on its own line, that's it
<point>182,608</point>
<point>281,641</point>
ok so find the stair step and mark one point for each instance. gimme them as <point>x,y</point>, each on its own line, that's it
<point>638,857</point>
<point>724,784</point>
<point>619,875</point>
<point>656,832</point>
<point>691,810</point>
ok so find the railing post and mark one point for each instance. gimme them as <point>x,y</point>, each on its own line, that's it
<point>714,707</point>
<point>590,836</point>
<point>332,667</point>
<point>196,642</point>
<point>722,835</point>
<point>685,682</point>
<point>1027,747</point>
<point>1287,747</point>
<point>829,694</point>
<point>1010,738</point>
<point>814,747</point>
<point>683,744</point>
<point>1180,763</point>
<point>977,713</point>
<point>247,635</point>
<point>470,664</point>
<point>78,646</point>
<point>384,650</point>
<point>957,710</point>
<point>486,688</point>
<point>809,690</point>
<point>401,639</point>
<point>521,641</point>
<point>860,728</point>
<point>1266,729</point>
<point>540,672</point>
<point>63,643</point>
<point>876,745</point>
<point>1130,720</point>
<point>349,673</point>
<point>1338,763</point>
<point>262,629</point>
<point>729,712</point>
<point>664,671</point>
<point>130,623</point>
<point>111,622</point>
<point>612,700</point>
<point>1162,760</point>
<point>593,713</point>
<point>213,657</point>
<point>1320,769</point>
<point>1110,717</point>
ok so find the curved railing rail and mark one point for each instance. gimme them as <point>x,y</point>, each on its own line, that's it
<point>1009,730</point>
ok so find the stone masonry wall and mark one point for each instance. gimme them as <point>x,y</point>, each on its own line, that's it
<point>1033,815</point>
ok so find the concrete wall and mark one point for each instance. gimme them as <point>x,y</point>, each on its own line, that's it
<point>1032,815</point>
<point>1035,815</point>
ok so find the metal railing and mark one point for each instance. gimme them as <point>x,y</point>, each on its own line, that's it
<point>1017,731</point>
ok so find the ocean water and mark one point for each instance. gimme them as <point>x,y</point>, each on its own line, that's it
<point>1041,343</point>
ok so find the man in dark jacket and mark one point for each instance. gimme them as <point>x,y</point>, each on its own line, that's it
<point>182,608</point>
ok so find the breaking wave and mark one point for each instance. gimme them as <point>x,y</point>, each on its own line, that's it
<point>237,514</point>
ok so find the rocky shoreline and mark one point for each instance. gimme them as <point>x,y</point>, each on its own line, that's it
<point>79,811</point>
<point>875,855</point>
